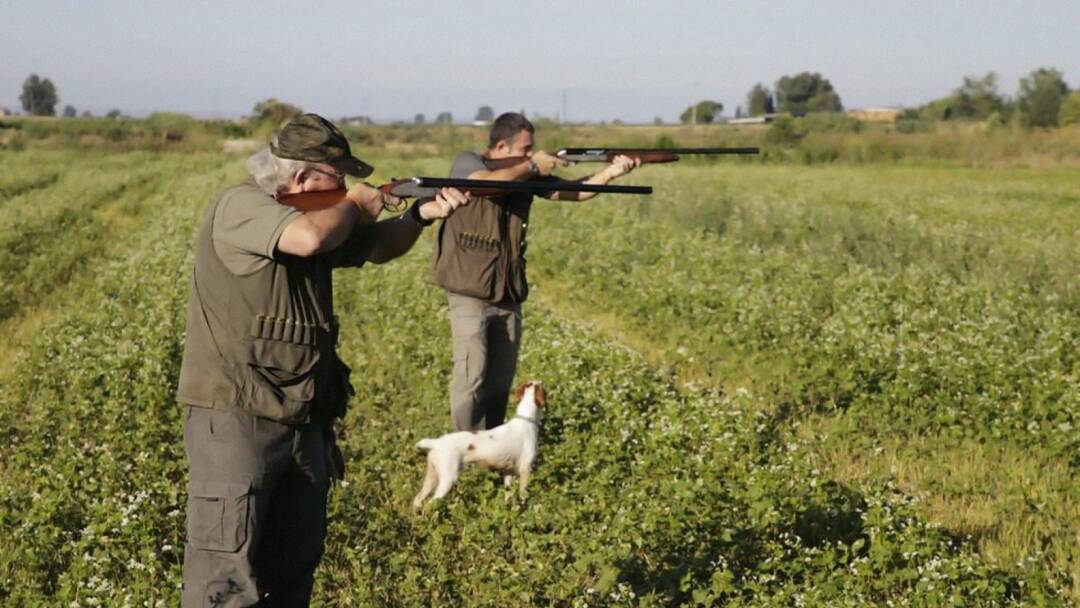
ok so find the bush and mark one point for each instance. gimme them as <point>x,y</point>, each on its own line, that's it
<point>914,125</point>
<point>1070,110</point>
<point>784,131</point>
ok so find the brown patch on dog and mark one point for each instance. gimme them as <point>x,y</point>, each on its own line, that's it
<point>541,396</point>
<point>470,447</point>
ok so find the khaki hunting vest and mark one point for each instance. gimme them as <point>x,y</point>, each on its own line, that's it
<point>480,249</point>
<point>262,343</point>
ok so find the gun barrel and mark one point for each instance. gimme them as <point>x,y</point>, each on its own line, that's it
<point>632,151</point>
<point>487,185</point>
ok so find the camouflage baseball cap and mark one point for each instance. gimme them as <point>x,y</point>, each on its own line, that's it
<point>312,138</point>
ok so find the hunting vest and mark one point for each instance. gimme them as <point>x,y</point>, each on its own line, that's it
<point>262,343</point>
<point>480,249</point>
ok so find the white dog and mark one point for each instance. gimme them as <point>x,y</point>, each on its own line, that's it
<point>509,448</point>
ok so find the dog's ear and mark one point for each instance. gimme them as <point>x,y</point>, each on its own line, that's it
<point>541,396</point>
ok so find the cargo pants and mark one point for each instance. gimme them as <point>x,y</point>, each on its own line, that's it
<point>256,511</point>
<point>486,338</point>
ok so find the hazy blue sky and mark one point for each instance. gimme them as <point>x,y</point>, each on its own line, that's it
<point>628,60</point>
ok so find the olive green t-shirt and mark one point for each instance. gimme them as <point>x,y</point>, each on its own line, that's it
<point>247,226</point>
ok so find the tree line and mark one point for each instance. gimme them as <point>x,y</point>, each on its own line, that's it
<point>1043,100</point>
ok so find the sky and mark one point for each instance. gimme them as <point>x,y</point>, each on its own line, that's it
<point>575,60</point>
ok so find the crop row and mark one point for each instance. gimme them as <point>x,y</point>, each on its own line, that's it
<point>649,492</point>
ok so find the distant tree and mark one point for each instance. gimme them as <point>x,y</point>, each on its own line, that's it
<point>418,119</point>
<point>485,114</point>
<point>114,113</point>
<point>738,111</point>
<point>806,92</point>
<point>657,120</point>
<point>275,112</point>
<point>87,114</point>
<point>702,113</point>
<point>39,96</point>
<point>759,101</point>
<point>444,118</point>
<point>1041,95</point>
<point>977,98</point>
<point>69,111</point>
<point>1070,110</point>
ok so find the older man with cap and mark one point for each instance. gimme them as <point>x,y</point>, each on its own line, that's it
<point>260,378</point>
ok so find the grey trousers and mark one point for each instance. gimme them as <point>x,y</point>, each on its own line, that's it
<point>256,511</point>
<point>485,343</point>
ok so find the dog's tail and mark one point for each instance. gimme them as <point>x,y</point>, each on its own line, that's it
<point>425,444</point>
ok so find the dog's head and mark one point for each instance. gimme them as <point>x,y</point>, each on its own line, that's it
<point>538,392</point>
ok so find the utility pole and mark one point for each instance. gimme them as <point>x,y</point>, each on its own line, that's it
<point>564,117</point>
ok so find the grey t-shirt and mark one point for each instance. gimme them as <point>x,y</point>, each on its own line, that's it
<point>466,164</point>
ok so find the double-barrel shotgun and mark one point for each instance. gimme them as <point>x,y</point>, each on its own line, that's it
<point>428,187</point>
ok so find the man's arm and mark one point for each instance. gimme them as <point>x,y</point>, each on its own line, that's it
<point>393,238</point>
<point>620,166</point>
<point>324,230</point>
<point>541,163</point>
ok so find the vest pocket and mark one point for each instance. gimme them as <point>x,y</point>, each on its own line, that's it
<point>282,356</point>
<point>286,370</point>
<point>218,515</point>
<point>470,268</point>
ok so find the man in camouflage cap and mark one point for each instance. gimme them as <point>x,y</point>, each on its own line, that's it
<point>260,379</point>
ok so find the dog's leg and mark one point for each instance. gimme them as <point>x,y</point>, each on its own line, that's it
<point>449,467</point>
<point>523,483</point>
<point>508,483</point>
<point>430,480</point>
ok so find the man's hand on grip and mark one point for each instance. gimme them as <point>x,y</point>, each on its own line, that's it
<point>444,204</point>
<point>370,201</point>
<point>546,163</point>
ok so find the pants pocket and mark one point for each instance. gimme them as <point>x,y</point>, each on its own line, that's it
<point>218,515</point>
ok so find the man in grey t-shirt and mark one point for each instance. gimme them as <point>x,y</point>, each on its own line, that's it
<point>479,259</point>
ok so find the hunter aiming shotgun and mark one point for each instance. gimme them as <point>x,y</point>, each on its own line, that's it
<point>424,187</point>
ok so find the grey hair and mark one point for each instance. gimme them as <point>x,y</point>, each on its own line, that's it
<point>272,173</point>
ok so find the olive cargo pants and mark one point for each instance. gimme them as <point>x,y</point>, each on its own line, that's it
<point>486,338</point>
<point>256,511</point>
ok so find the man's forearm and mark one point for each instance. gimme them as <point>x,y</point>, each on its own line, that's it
<point>319,231</point>
<point>393,238</point>
<point>600,178</point>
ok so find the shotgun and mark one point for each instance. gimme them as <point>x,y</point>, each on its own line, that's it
<point>428,187</point>
<point>647,155</point>
<point>606,155</point>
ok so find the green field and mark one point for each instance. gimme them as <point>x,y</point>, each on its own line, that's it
<point>770,385</point>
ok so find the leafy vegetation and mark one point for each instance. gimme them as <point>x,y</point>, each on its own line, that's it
<point>767,386</point>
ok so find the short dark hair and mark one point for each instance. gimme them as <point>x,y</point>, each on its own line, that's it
<point>507,126</point>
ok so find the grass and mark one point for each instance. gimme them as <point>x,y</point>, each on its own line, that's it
<point>770,384</point>
<point>743,277</point>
